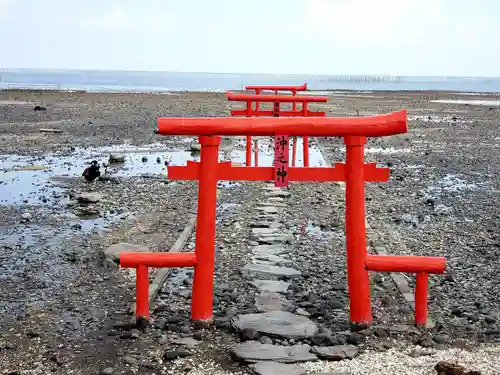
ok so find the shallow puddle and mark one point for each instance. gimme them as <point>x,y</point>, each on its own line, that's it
<point>40,180</point>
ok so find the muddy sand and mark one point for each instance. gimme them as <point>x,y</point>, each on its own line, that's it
<point>64,310</point>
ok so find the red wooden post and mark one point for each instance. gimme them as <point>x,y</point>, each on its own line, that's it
<point>202,299</point>
<point>355,232</point>
<point>256,152</point>
<point>294,150</point>
<point>305,140</point>
<point>142,293</point>
<point>421,296</point>
<point>248,149</point>
<point>305,150</point>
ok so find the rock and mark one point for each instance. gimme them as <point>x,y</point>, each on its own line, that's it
<point>130,360</point>
<point>275,368</point>
<point>268,209</point>
<point>323,339</point>
<point>265,250</point>
<point>336,353</point>
<point>271,240</point>
<point>144,159</point>
<point>277,323</point>
<point>278,193</point>
<point>88,197</point>
<point>265,271</point>
<point>276,260</point>
<point>26,216</point>
<point>456,311</point>
<point>186,341</point>
<point>448,368</point>
<point>254,351</point>
<point>249,334</point>
<point>272,302</point>
<point>87,212</point>
<point>107,371</point>
<point>440,339</point>
<point>39,108</point>
<point>170,355</point>
<point>263,231</point>
<point>302,312</point>
<point>261,224</point>
<point>355,338</point>
<point>196,147</point>
<point>265,340</point>
<point>116,158</point>
<point>490,319</point>
<point>113,252</point>
<point>400,328</point>
<point>270,286</point>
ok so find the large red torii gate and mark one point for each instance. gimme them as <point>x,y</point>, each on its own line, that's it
<point>354,172</point>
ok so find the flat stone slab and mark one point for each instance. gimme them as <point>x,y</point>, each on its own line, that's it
<point>271,188</point>
<point>267,301</point>
<point>278,193</point>
<point>264,262</point>
<point>88,197</point>
<point>271,286</point>
<point>270,240</point>
<point>276,260</point>
<point>277,323</point>
<point>268,209</point>
<point>261,231</point>
<point>275,199</point>
<point>271,204</point>
<point>276,368</point>
<point>264,271</point>
<point>336,353</point>
<point>187,341</point>
<point>263,250</point>
<point>113,252</point>
<point>254,351</point>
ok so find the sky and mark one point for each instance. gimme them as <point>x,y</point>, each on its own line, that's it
<point>385,37</point>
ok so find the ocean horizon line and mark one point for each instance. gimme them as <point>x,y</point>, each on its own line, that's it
<point>357,75</point>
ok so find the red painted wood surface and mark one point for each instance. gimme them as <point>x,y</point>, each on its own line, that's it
<point>277,87</point>
<point>371,126</point>
<point>275,98</point>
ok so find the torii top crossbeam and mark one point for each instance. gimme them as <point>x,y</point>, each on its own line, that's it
<point>372,126</point>
<point>275,98</point>
<point>277,88</point>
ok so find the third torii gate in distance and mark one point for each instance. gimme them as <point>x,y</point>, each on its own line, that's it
<point>276,112</point>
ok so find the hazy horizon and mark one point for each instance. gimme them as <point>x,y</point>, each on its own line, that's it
<point>242,73</point>
<point>441,38</point>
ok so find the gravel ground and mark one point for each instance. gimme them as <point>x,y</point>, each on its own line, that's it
<point>64,312</point>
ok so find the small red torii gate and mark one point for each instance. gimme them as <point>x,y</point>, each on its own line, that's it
<point>276,112</point>
<point>355,172</point>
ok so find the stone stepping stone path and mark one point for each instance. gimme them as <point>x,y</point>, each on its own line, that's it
<point>268,272</point>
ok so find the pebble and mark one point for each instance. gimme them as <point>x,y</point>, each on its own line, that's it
<point>170,355</point>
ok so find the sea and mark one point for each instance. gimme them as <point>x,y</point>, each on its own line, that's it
<point>142,81</point>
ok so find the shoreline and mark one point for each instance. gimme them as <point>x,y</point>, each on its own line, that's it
<point>324,92</point>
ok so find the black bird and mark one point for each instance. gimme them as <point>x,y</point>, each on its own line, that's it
<point>93,172</point>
